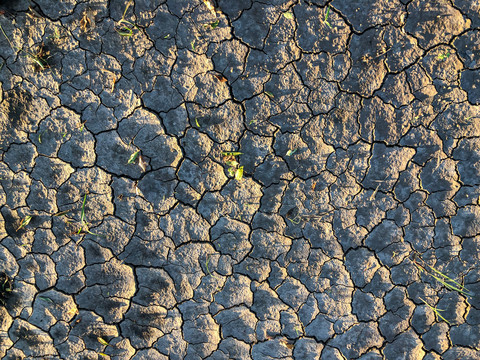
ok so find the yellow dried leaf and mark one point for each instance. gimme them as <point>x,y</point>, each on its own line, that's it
<point>210,7</point>
<point>101,341</point>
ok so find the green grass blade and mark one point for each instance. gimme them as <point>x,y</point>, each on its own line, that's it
<point>231,153</point>
<point>133,157</point>
<point>82,214</point>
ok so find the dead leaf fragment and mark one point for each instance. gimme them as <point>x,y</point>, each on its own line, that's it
<point>85,23</point>
<point>210,7</point>
<point>220,78</point>
<point>142,163</point>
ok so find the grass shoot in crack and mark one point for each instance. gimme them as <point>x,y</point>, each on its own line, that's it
<point>39,57</point>
<point>124,27</point>
<point>443,279</point>
<point>436,311</point>
<point>234,168</point>
<point>6,287</point>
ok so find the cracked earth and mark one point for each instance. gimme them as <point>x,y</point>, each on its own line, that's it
<point>127,232</point>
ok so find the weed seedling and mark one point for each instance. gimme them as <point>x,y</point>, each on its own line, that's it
<point>83,223</point>
<point>293,216</point>
<point>25,221</point>
<point>133,157</point>
<point>436,311</point>
<point>443,279</point>
<point>39,57</point>
<point>6,287</point>
<point>234,168</point>
<point>125,27</point>
<point>141,161</point>
<point>212,25</point>
<point>325,21</point>
<point>269,94</point>
<point>443,56</point>
<point>290,152</point>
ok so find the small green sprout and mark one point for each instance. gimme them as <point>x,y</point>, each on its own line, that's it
<point>133,157</point>
<point>83,223</point>
<point>239,173</point>
<point>231,153</point>
<point>40,136</point>
<point>25,221</point>
<point>443,56</point>
<point>436,311</point>
<point>47,299</point>
<point>214,24</point>
<point>125,27</point>
<point>197,123</point>
<point>206,264</point>
<point>326,18</point>
<point>291,152</point>
<point>192,44</point>
<point>288,15</point>
<point>39,58</point>
<point>234,168</point>
<point>443,279</point>
<point>293,216</point>
<point>269,94</point>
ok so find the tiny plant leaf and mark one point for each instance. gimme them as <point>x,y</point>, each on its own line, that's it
<point>214,24</point>
<point>25,221</point>
<point>231,153</point>
<point>133,157</point>
<point>102,341</point>
<point>44,298</point>
<point>288,15</point>
<point>444,55</point>
<point>291,152</point>
<point>82,214</point>
<point>192,43</point>
<point>239,173</point>
<point>232,163</point>
<point>197,123</point>
<point>326,17</point>
<point>269,94</point>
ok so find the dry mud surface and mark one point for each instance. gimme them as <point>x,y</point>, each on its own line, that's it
<point>124,236</point>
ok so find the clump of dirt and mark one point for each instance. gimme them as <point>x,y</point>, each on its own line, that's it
<point>6,287</point>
